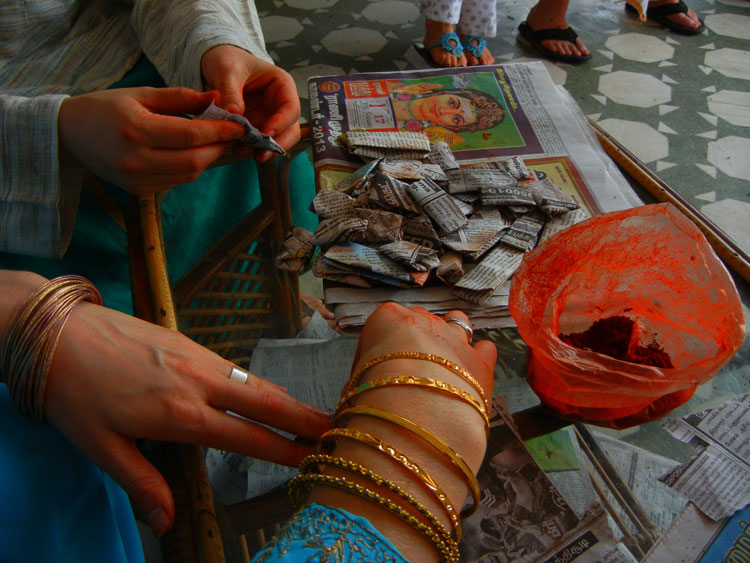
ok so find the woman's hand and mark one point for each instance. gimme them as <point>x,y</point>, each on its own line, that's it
<point>135,138</point>
<point>393,328</point>
<point>262,92</point>
<point>115,378</point>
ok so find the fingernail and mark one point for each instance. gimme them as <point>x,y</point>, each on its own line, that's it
<point>315,410</point>
<point>234,108</point>
<point>158,521</point>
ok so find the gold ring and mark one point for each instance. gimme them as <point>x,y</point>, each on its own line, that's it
<point>467,329</point>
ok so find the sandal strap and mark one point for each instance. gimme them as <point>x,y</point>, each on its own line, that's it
<point>678,7</point>
<point>476,50</point>
<point>455,48</point>
<point>556,34</point>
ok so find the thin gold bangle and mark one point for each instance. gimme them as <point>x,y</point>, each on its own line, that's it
<point>394,454</point>
<point>32,337</point>
<point>448,552</point>
<point>409,355</point>
<point>354,467</point>
<point>425,382</point>
<point>435,441</point>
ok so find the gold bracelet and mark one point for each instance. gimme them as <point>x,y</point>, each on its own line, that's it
<point>417,382</point>
<point>33,334</point>
<point>435,441</point>
<point>354,467</point>
<point>455,368</point>
<point>397,456</point>
<point>448,551</point>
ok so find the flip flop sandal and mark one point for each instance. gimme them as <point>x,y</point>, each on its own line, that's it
<point>449,42</point>
<point>476,50</point>
<point>535,38</point>
<point>660,14</point>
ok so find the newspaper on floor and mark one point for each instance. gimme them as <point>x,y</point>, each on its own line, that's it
<point>639,469</point>
<point>522,517</point>
<point>695,538</point>
<point>717,478</point>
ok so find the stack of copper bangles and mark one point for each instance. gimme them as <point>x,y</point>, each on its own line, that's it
<point>32,338</point>
<point>311,467</point>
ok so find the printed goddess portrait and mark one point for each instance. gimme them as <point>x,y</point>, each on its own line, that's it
<point>446,114</point>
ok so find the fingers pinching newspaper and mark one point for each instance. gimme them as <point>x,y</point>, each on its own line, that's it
<point>463,324</point>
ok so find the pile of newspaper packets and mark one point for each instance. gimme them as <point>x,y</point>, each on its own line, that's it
<point>438,235</point>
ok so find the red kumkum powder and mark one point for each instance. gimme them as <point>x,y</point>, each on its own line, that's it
<point>611,337</point>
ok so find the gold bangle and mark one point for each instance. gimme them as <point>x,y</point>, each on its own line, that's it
<point>448,551</point>
<point>435,441</point>
<point>354,467</point>
<point>417,382</point>
<point>397,456</point>
<point>455,368</point>
<point>33,334</point>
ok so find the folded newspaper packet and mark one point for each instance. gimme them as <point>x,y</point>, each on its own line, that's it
<point>252,137</point>
<point>409,222</point>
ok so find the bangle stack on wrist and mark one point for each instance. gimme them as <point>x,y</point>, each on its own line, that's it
<point>32,337</point>
<point>412,511</point>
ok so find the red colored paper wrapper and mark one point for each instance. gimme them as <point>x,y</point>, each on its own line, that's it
<point>650,264</point>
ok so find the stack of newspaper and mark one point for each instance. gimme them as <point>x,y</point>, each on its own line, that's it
<point>442,211</point>
<point>446,237</point>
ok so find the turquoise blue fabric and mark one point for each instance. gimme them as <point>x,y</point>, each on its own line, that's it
<point>322,533</point>
<point>56,505</point>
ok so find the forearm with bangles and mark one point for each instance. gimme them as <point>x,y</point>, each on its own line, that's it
<point>31,336</point>
<point>400,455</point>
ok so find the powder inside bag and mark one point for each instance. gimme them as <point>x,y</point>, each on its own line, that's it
<point>611,337</point>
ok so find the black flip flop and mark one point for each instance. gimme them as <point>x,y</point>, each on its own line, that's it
<point>535,38</point>
<point>660,14</point>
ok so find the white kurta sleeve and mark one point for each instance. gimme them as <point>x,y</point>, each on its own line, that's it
<point>38,195</point>
<point>175,34</point>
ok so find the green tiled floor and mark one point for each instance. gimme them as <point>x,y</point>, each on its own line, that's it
<point>681,104</point>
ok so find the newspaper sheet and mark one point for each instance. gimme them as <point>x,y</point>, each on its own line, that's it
<point>311,369</point>
<point>639,469</point>
<point>717,478</point>
<point>695,538</point>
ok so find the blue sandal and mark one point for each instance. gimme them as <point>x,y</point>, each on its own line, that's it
<point>455,48</point>
<point>477,49</point>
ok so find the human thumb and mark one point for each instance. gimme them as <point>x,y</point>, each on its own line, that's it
<point>230,89</point>
<point>142,482</point>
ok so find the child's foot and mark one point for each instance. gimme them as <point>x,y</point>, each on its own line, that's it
<point>434,32</point>
<point>473,45</point>
<point>540,19</point>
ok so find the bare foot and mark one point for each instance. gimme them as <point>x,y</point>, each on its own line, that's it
<point>544,19</point>
<point>689,20</point>
<point>485,58</point>
<point>434,31</point>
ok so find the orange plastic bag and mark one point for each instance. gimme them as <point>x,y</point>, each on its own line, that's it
<point>650,264</point>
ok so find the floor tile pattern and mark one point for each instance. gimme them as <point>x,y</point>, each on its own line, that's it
<point>681,104</point>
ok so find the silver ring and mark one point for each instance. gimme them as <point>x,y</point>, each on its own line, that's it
<point>467,329</point>
<point>239,375</point>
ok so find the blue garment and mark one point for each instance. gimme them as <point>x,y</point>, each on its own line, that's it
<point>56,504</point>
<point>322,533</point>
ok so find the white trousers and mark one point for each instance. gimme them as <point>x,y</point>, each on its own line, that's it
<point>472,17</point>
